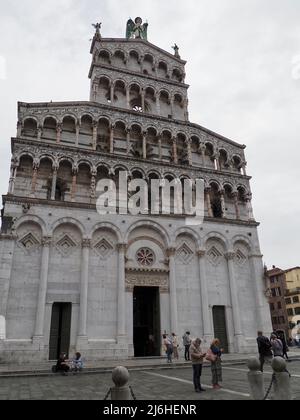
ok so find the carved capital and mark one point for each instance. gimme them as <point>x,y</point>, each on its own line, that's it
<point>230,256</point>
<point>201,253</point>
<point>171,252</point>
<point>46,241</point>
<point>122,247</point>
<point>86,243</point>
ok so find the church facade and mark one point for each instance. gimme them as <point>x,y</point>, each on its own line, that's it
<point>109,286</point>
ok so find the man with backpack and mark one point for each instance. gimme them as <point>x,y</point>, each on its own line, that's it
<point>264,349</point>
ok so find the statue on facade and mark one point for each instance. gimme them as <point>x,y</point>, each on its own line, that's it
<point>97,26</point>
<point>136,29</point>
<point>176,49</point>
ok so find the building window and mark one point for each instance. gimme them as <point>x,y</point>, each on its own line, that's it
<point>296,299</point>
<point>278,291</point>
<point>279,305</point>
<point>288,301</point>
<point>282,320</point>
<point>290,312</point>
<point>275,320</point>
<point>272,306</point>
<point>272,281</point>
<point>297,311</point>
<point>273,292</point>
<point>145,257</point>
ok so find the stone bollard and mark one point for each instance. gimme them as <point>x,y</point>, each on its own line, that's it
<point>282,384</point>
<point>121,392</point>
<point>256,379</point>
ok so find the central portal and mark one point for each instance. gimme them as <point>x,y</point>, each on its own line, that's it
<point>146,322</point>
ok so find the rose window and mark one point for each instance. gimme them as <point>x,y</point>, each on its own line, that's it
<point>145,257</point>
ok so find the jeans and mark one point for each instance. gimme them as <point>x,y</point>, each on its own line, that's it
<point>197,372</point>
<point>187,353</point>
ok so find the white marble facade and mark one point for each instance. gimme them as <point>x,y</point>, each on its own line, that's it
<point>55,248</point>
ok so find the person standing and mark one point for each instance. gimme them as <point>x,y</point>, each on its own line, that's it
<point>216,352</point>
<point>264,350</point>
<point>187,344</point>
<point>175,346</point>
<point>197,357</point>
<point>277,346</point>
<point>168,347</point>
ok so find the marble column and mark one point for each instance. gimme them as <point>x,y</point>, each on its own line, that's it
<point>175,154</point>
<point>128,97</point>
<point>84,284</point>
<point>77,133</point>
<point>238,334</point>
<point>74,184</point>
<point>172,106</point>
<point>208,202</point>
<point>39,133</point>
<point>95,134</point>
<point>54,181</point>
<point>19,129</point>
<point>111,141</point>
<point>128,140</point>
<point>59,129</point>
<point>189,151</point>
<point>43,284</point>
<point>236,205</point>
<point>223,204</point>
<point>217,161</point>
<point>206,317</point>
<point>143,100</point>
<point>34,180</point>
<point>173,291</point>
<point>112,94</point>
<point>202,149</point>
<point>144,145</point>
<point>12,179</point>
<point>158,104</point>
<point>121,327</point>
<point>93,186</point>
<point>249,207</point>
<point>160,148</point>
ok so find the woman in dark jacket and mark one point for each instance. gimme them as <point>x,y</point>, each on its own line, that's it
<point>216,366</point>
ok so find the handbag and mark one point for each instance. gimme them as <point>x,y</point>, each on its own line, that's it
<point>210,356</point>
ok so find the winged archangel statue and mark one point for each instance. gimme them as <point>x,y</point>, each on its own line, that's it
<point>136,29</point>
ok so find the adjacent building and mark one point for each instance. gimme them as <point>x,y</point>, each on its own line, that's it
<point>109,286</point>
<point>284,299</point>
<point>277,291</point>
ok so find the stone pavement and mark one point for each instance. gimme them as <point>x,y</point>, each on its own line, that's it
<point>132,364</point>
<point>154,385</point>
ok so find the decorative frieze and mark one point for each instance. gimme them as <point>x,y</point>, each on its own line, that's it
<point>147,279</point>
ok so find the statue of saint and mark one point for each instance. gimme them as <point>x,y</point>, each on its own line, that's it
<point>97,26</point>
<point>136,29</point>
<point>176,49</point>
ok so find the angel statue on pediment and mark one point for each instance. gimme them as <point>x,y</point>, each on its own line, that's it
<point>136,29</point>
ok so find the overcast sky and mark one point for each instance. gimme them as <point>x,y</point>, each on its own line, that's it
<point>243,67</point>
